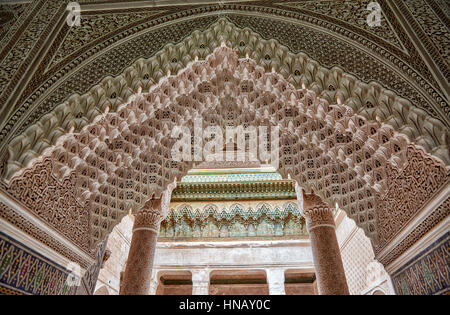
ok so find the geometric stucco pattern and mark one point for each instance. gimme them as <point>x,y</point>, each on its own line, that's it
<point>55,201</point>
<point>10,14</point>
<point>94,27</point>
<point>115,164</point>
<point>356,257</point>
<point>18,219</point>
<point>361,269</point>
<point>369,100</point>
<point>237,221</point>
<point>353,12</point>
<point>430,19</point>
<point>433,219</point>
<point>93,63</point>
<point>379,75</point>
<point>413,186</point>
<point>19,42</point>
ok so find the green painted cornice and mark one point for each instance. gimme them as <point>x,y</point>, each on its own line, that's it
<point>244,190</point>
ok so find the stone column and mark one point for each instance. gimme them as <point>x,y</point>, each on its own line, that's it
<point>324,245</point>
<point>138,271</point>
<point>275,279</point>
<point>200,282</point>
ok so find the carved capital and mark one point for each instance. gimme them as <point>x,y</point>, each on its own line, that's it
<point>312,201</point>
<point>149,217</point>
<point>316,212</point>
<point>154,211</point>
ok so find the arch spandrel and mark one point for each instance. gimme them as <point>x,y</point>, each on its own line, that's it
<point>370,100</point>
<point>123,158</point>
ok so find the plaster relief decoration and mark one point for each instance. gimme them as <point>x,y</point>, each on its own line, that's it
<point>185,223</point>
<point>54,200</point>
<point>124,157</point>
<point>370,100</point>
<point>92,116</point>
<point>413,185</point>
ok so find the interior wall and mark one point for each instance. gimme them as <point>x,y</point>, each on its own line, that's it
<point>118,244</point>
<point>362,271</point>
<point>14,255</point>
<point>239,289</point>
<point>249,254</point>
<point>300,289</point>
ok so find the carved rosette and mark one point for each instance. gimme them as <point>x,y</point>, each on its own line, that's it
<point>316,212</point>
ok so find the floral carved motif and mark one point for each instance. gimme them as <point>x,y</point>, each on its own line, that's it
<point>150,216</point>
<point>154,211</point>
<point>316,212</point>
<point>408,191</point>
<point>236,222</point>
<point>21,222</point>
<point>124,158</point>
<point>54,201</point>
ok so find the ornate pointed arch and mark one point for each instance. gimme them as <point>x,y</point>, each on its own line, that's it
<point>370,100</point>
<point>123,158</point>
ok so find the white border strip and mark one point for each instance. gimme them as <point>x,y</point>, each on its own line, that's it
<point>307,267</point>
<point>233,244</point>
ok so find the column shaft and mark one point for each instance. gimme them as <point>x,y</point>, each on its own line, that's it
<point>325,248</point>
<point>138,271</point>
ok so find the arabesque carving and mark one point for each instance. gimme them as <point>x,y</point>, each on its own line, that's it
<point>371,101</point>
<point>316,212</point>
<point>123,158</point>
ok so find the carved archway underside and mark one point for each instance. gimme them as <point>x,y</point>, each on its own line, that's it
<point>123,158</point>
<point>372,101</point>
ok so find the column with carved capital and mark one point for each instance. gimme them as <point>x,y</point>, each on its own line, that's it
<point>138,271</point>
<point>275,279</point>
<point>324,245</point>
<point>200,282</point>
